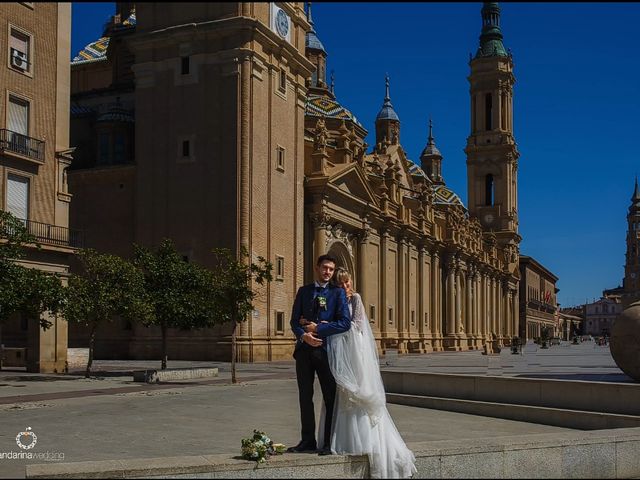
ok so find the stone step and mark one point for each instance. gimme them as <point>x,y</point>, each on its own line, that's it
<point>156,376</point>
<point>559,417</point>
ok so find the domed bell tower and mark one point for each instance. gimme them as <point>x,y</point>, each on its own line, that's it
<point>492,154</point>
<point>631,282</point>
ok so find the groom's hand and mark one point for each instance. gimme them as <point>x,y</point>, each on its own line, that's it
<point>311,339</point>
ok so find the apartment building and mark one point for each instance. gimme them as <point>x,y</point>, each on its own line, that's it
<point>34,155</point>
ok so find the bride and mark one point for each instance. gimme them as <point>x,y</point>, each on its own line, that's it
<point>361,423</point>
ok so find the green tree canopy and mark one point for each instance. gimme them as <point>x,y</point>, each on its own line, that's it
<point>109,286</point>
<point>181,293</point>
<point>234,289</point>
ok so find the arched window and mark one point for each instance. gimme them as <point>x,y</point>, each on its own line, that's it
<point>488,111</point>
<point>489,189</point>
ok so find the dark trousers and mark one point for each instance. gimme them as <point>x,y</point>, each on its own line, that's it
<point>309,361</point>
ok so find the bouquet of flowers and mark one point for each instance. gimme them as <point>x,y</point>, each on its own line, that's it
<point>260,447</point>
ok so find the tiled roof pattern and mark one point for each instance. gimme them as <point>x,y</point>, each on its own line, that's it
<point>97,50</point>
<point>324,106</point>
<point>442,194</point>
<point>445,196</point>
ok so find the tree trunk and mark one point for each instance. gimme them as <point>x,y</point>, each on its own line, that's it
<point>1,347</point>
<point>92,340</point>
<point>164,347</point>
<point>233,352</point>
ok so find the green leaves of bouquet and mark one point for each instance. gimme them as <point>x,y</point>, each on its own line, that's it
<point>260,447</point>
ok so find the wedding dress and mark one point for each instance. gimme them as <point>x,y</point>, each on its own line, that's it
<point>361,422</point>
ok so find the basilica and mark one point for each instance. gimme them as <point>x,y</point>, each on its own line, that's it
<point>215,125</point>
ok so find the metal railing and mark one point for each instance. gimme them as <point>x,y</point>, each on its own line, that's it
<point>48,234</point>
<point>22,145</point>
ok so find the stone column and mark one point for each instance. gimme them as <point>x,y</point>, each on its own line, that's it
<point>384,238</point>
<point>401,316</point>
<point>421,292</point>
<point>436,318</point>
<point>459,300</point>
<point>468,321</point>
<point>362,264</point>
<point>450,294</point>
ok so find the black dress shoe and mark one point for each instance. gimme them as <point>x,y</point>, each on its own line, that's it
<point>303,447</point>
<point>325,451</point>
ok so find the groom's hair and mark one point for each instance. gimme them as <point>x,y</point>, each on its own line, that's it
<point>326,258</point>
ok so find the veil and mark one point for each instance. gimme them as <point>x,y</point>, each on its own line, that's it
<point>368,428</point>
<point>353,358</point>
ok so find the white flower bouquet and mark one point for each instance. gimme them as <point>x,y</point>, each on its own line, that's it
<point>260,447</point>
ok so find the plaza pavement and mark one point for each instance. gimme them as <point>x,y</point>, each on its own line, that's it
<point>111,417</point>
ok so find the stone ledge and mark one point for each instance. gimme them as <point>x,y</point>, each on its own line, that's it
<point>601,397</point>
<point>593,454</point>
<point>155,376</point>
<point>576,419</point>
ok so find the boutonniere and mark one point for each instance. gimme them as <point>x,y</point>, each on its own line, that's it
<point>322,302</point>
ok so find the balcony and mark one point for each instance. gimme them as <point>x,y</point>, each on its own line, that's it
<point>19,144</point>
<point>47,234</point>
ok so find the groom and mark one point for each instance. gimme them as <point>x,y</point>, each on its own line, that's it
<point>319,302</point>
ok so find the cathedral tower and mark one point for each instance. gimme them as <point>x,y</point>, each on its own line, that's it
<point>492,155</point>
<point>431,159</point>
<point>387,121</point>
<point>632,265</point>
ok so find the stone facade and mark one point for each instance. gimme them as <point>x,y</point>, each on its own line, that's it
<point>35,155</point>
<point>239,141</point>
<point>600,316</point>
<point>538,304</point>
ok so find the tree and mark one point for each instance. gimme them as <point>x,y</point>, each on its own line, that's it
<point>181,293</point>
<point>234,292</point>
<point>28,291</point>
<point>109,286</point>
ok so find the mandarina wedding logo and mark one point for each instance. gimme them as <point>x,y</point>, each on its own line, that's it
<point>26,441</point>
<point>33,439</point>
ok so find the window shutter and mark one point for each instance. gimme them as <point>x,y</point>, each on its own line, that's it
<point>20,42</point>
<point>18,116</point>
<point>18,196</point>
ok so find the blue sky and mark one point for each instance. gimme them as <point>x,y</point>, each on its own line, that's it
<point>576,109</point>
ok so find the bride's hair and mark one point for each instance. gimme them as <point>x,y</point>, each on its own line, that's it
<point>342,275</point>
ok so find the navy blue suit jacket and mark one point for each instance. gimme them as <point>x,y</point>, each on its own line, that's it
<point>336,313</point>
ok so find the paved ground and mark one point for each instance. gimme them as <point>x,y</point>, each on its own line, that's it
<point>110,417</point>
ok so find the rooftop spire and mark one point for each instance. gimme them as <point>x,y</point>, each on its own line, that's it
<point>312,40</point>
<point>431,148</point>
<point>387,112</point>
<point>309,19</point>
<point>491,36</point>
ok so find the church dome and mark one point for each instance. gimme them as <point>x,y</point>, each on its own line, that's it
<point>325,106</point>
<point>97,50</point>
<point>387,112</point>
<point>445,196</point>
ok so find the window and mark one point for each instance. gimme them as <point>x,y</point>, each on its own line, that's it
<point>282,81</point>
<point>104,139</point>
<point>489,190</point>
<point>390,315</point>
<point>20,51</point>
<point>372,313</point>
<point>488,112</point>
<point>18,196</point>
<point>186,148</point>
<point>280,159</point>
<point>413,317</point>
<point>426,318</point>
<point>185,64</point>
<point>279,267</point>
<point>18,115</point>
<point>279,323</point>
<point>118,148</point>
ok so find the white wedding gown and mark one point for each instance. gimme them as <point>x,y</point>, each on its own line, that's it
<point>361,423</point>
